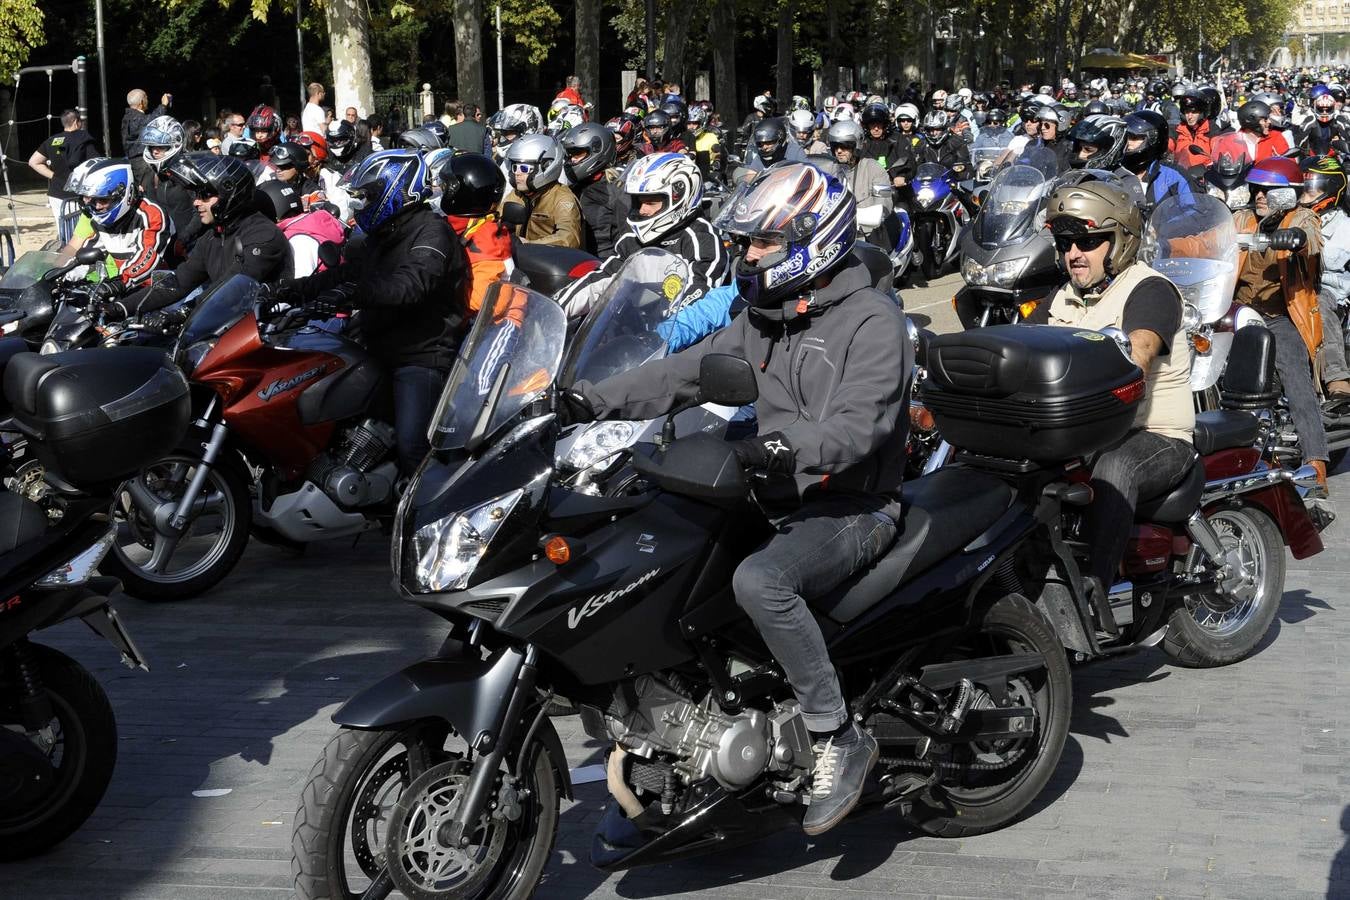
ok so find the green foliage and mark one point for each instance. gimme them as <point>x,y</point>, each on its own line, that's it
<point>20,31</point>
<point>529,26</point>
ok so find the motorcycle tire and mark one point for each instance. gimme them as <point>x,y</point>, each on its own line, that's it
<point>199,578</point>
<point>88,734</point>
<point>1017,626</point>
<point>339,778</point>
<point>1219,640</point>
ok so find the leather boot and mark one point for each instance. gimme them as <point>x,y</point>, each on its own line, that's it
<point>1321,492</point>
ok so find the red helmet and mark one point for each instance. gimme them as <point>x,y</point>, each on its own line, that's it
<point>265,118</point>
<point>313,142</point>
<point>1276,172</point>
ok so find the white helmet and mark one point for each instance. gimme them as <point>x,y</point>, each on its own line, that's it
<point>569,116</point>
<point>675,179</point>
<point>907,111</point>
<point>938,100</point>
<point>801,123</point>
<point>965,94</point>
<point>161,131</point>
<point>539,157</point>
<point>510,122</point>
<point>843,112</point>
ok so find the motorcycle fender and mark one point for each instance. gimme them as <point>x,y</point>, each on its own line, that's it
<point>471,695</point>
<point>1285,506</point>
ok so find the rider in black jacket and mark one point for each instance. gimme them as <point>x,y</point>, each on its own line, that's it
<point>591,151</point>
<point>238,238</point>
<point>408,285</point>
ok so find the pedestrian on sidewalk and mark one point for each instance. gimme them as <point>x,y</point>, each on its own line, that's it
<point>312,117</point>
<point>133,120</point>
<point>55,159</point>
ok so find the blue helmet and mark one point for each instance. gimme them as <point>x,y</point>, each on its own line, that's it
<point>806,210</point>
<point>386,184</point>
<point>104,179</point>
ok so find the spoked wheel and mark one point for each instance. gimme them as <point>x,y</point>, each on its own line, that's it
<point>375,817</point>
<point>153,562</point>
<point>52,780</point>
<point>1222,626</point>
<point>985,785</point>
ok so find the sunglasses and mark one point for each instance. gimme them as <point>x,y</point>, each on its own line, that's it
<point>1049,124</point>
<point>1084,242</point>
<point>236,124</point>
<point>204,195</point>
<point>1325,109</point>
<point>522,168</point>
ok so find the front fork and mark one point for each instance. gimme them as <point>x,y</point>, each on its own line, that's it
<point>35,706</point>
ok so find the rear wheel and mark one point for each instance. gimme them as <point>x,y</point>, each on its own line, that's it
<point>154,565</point>
<point>1222,626</point>
<point>988,784</point>
<point>48,789</point>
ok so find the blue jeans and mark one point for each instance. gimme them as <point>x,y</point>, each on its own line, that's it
<point>815,550</point>
<point>416,391</point>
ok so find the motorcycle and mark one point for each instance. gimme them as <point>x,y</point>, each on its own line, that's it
<point>445,779</point>
<point>1008,262</point>
<point>287,411</point>
<point>939,217</point>
<point>58,735</point>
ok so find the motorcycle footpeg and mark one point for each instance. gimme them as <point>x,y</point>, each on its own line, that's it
<point>963,697</point>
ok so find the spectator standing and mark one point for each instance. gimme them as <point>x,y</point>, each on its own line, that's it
<point>234,131</point>
<point>55,159</point>
<point>351,115</point>
<point>312,117</point>
<point>465,133</point>
<point>376,132</point>
<point>572,92</point>
<point>133,120</point>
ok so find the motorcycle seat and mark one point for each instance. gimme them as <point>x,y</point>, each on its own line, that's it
<point>1176,504</point>
<point>1223,429</point>
<point>944,511</point>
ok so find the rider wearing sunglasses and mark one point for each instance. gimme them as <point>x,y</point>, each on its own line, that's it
<point>1097,229</point>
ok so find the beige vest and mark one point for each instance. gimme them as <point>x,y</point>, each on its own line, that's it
<point>1167,408</point>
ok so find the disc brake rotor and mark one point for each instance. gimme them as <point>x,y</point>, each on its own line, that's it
<point>420,862</point>
<point>371,812</point>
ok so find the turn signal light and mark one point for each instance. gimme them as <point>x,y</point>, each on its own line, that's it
<point>1200,343</point>
<point>1028,307</point>
<point>1130,393</point>
<point>557,550</point>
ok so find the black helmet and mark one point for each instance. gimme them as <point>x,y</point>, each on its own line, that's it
<point>1096,108</point>
<point>1251,113</point>
<point>288,156</point>
<point>998,117</point>
<point>278,200</point>
<point>773,134</point>
<point>657,124</point>
<point>437,127</point>
<point>679,115</point>
<point>875,114</point>
<point>1106,133</point>
<point>1156,88</point>
<point>340,136</point>
<point>1192,101</point>
<point>598,143</point>
<point>421,138</point>
<point>1152,127</point>
<point>243,148</point>
<point>206,174</point>
<point>1213,102</point>
<point>471,185</point>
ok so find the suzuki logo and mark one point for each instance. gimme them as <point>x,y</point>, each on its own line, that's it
<point>282,385</point>
<point>646,543</point>
<point>594,604</point>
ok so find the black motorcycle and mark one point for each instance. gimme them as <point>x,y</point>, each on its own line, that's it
<point>445,778</point>
<point>90,418</point>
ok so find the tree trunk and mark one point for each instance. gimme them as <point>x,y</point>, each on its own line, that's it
<point>468,18</point>
<point>829,54</point>
<point>349,41</point>
<point>678,18</point>
<point>783,88</point>
<point>722,35</point>
<point>586,63</point>
<point>879,16</point>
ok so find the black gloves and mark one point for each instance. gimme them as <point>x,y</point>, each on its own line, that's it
<point>573,408</point>
<point>274,297</point>
<point>165,320</point>
<point>1288,239</point>
<point>767,452</point>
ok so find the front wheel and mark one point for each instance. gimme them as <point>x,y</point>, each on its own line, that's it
<point>48,789</point>
<point>155,565</point>
<point>381,797</point>
<point>986,785</point>
<point>1222,626</point>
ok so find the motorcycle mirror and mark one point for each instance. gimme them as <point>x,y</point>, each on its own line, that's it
<point>514,215</point>
<point>330,254</point>
<point>89,256</point>
<point>726,379</point>
<point>1122,340</point>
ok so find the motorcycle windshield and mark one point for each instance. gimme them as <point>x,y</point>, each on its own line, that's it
<point>1009,210</point>
<point>1193,242</point>
<point>510,358</point>
<point>982,160</point>
<point>1040,158</point>
<point>29,269</point>
<point>219,309</point>
<point>930,172</point>
<point>622,330</point>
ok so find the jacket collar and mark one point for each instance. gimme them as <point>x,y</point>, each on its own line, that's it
<point>848,279</point>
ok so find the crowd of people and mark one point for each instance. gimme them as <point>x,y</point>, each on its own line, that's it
<point>421,215</point>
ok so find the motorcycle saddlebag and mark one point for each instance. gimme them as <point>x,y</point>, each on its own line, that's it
<point>1031,392</point>
<point>98,415</point>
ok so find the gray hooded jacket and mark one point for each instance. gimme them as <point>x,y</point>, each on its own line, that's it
<point>833,369</point>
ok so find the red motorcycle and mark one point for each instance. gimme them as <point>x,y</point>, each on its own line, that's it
<point>291,441</point>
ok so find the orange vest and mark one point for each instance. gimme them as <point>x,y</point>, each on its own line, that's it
<point>488,245</point>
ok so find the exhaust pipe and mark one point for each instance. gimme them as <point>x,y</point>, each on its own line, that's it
<point>1304,478</point>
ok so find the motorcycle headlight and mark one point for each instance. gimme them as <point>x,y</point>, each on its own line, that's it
<point>1190,318</point>
<point>49,347</point>
<point>925,196</point>
<point>448,550</point>
<point>1003,274</point>
<point>598,441</point>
